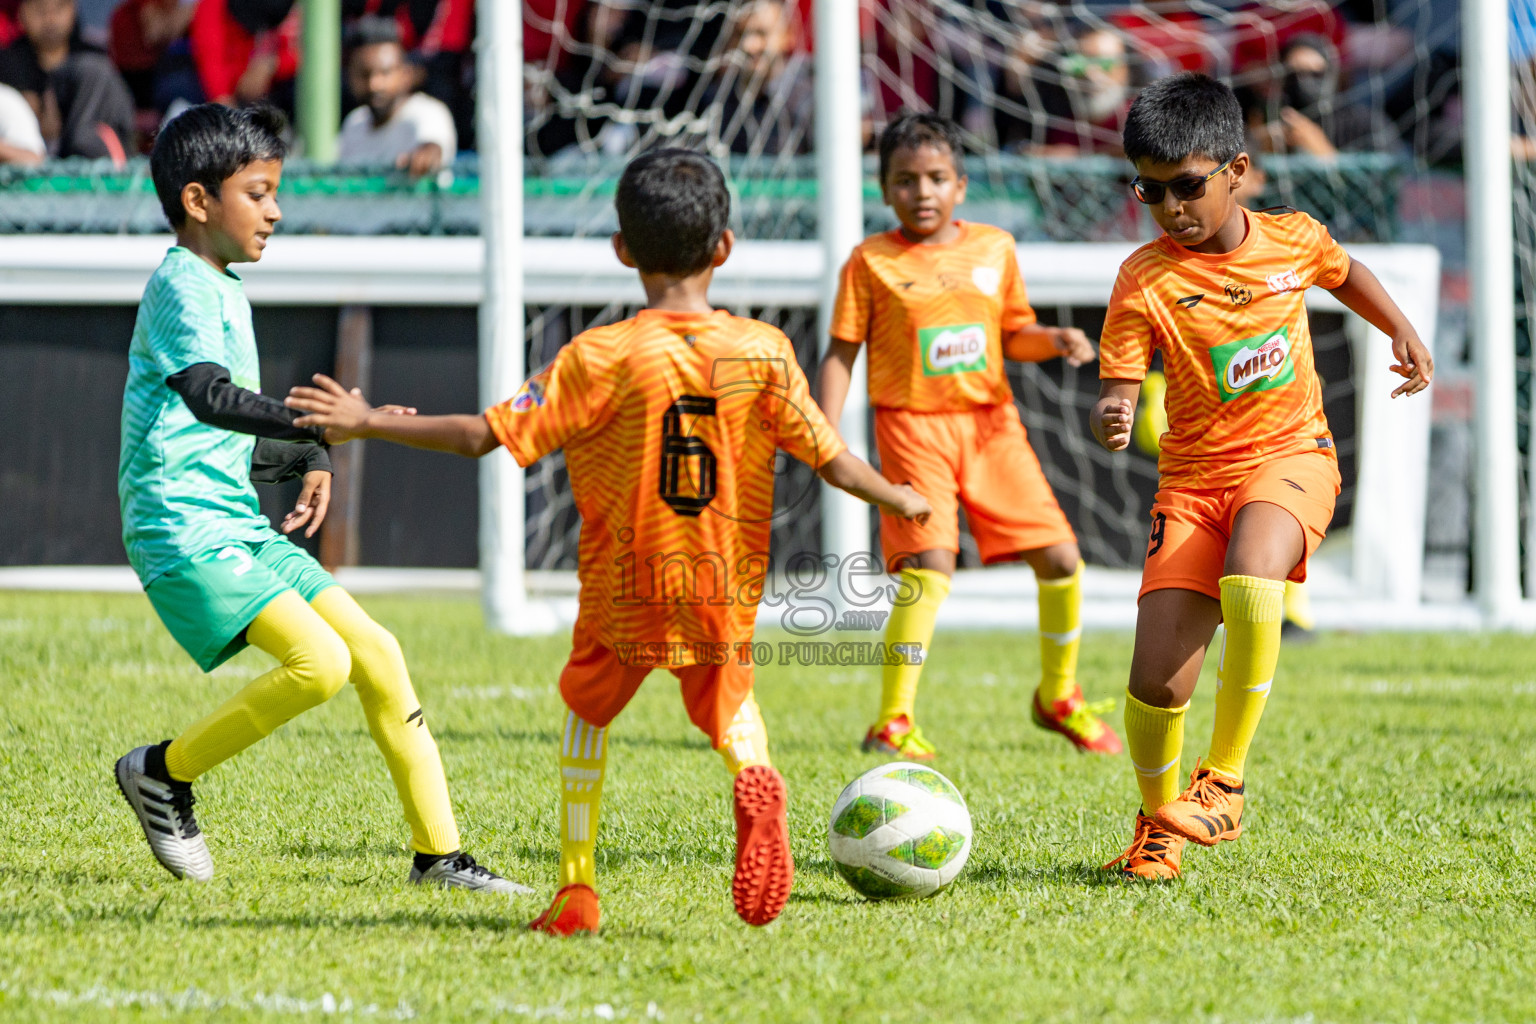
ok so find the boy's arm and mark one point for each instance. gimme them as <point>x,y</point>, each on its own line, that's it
<point>1114,412</point>
<point>1363,294</point>
<point>834,375</point>
<point>216,400</point>
<point>1037,343</point>
<point>850,473</point>
<point>343,416</point>
<point>273,462</point>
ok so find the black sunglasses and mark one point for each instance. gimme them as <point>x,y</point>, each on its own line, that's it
<point>1183,189</point>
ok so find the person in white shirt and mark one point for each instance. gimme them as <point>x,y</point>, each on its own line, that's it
<point>395,124</point>
<point>21,139</point>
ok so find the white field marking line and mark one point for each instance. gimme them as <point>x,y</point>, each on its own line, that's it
<point>1431,685</point>
<point>195,1000</point>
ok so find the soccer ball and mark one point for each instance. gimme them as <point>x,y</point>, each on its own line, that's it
<point>900,831</point>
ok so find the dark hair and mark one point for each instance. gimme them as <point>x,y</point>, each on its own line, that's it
<point>372,30</point>
<point>909,131</point>
<point>208,144</point>
<point>1181,116</point>
<point>673,207</point>
<point>1321,44</point>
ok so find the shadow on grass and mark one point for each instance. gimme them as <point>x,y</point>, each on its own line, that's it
<point>1080,873</point>
<point>612,858</point>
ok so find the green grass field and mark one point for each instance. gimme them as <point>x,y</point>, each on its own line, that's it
<point>1385,874</point>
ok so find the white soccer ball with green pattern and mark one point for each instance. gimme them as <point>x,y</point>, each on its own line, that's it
<point>900,831</point>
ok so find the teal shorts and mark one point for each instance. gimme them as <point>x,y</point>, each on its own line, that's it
<point>208,600</point>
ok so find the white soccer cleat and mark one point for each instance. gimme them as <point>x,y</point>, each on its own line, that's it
<point>459,871</point>
<point>164,808</point>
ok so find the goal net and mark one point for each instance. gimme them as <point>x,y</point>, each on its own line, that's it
<point>1039,90</point>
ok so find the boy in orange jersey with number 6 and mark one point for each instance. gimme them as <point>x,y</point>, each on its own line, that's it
<point>940,304</point>
<point>669,422</point>
<point>1247,471</point>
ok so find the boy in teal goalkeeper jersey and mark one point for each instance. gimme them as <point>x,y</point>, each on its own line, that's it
<point>196,431</point>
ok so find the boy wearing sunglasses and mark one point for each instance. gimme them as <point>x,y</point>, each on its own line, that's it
<point>1247,471</point>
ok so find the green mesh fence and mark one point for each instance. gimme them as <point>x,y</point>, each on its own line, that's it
<point>1038,199</point>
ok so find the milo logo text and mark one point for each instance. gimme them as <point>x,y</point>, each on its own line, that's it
<point>1253,364</point>
<point>960,348</point>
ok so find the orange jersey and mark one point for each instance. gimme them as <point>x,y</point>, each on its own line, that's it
<point>669,423</point>
<point>933,317</point>
<point>1237,349</point>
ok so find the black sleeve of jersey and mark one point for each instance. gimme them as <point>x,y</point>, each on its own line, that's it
<point>276,461</point>
<point>217,401</point>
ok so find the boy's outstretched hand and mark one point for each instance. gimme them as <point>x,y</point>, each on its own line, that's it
<point>343,414</point>
<point>1111,423</point>
<point>1413,362</point>
<point>1074,346</point>
<point>314,500</point>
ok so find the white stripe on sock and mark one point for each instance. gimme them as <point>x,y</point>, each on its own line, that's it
<point>1152,773</point>
<point>1063,638</point>
<point>578,821</point>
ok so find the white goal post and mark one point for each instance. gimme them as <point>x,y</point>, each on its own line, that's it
<point>1371,579</point>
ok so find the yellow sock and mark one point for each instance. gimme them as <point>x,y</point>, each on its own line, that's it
<point>1154,737</point>
<point>746,739</point>
<point>1298,606</point>
<point>1061,631</point>
<point>395,719</point>
<point>313,665</point>
<point>1252,609</point>
<point>912,624</point>
<point>583,756</point>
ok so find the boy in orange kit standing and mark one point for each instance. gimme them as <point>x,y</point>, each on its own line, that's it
<point>940,304</point>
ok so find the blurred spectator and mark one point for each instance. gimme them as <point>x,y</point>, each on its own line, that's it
<point>439,35</point>
<point>1071,104</point>
<point>246,50</point>
<point>21,139</point>
<point>765,100</point>
<point>149,45</point>
<point>395,124</point>
<point>607,71</point>
<point>1308,112</point>
<point>80,101</point>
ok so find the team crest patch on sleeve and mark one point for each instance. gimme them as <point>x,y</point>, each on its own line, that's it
<point>530,396</point>
<point>1260,363</point>
<point>959,348</point>
<point>987,279</point>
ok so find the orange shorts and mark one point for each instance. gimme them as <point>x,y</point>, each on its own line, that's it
<point>597,684</point>
<point>1192,526</point>
<point>979,458</point>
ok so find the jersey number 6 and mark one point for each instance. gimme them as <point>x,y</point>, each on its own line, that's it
<point>677,449</point>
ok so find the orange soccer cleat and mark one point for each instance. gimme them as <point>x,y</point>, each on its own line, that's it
<point>574,910</point>
<point>1153,854</point>
<point>1209,811</point>
<point>765,868</point>
<point>1078,721</point>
